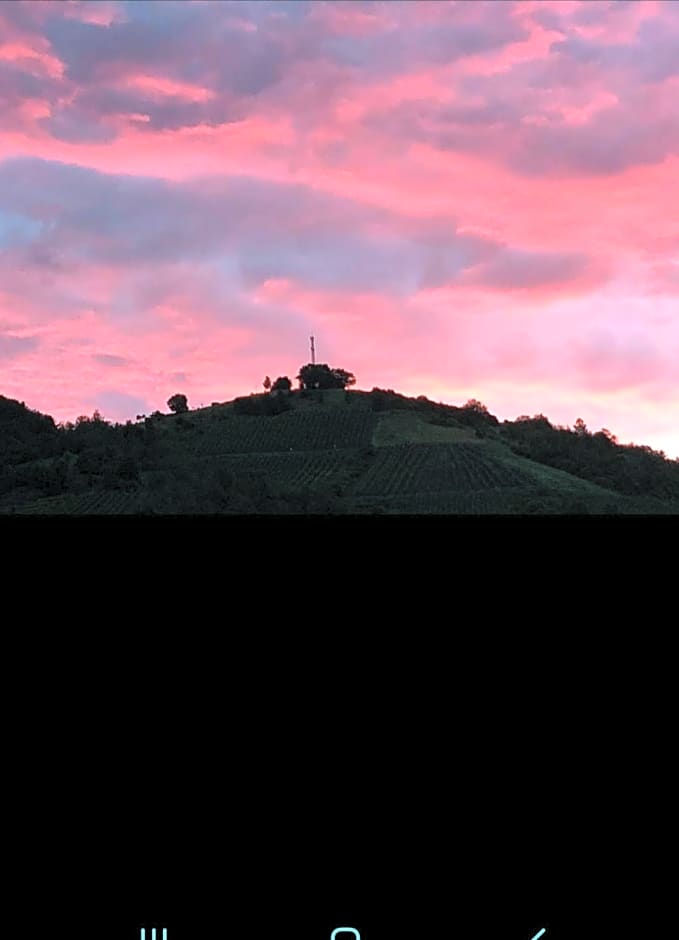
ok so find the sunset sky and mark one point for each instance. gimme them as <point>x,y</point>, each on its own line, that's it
<point>458,199</point>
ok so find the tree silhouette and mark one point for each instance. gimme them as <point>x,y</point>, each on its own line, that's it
<point>320,375</point>
<point>343,378</point>
<point>474,405</point>
<point>267,383</point>
<point>282,384</point>
<point>178,403</point>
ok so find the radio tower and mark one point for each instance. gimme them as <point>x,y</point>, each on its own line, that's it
<point>313,352</point>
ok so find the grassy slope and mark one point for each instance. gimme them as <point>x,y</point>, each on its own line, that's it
<point>399,427</point>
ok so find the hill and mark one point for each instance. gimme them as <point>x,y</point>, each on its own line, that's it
<point>329,451</point>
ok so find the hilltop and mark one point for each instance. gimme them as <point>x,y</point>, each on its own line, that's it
<point>325,451</point>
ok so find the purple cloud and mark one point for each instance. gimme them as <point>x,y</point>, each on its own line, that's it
<point>107,360</point>
<point>12,346</point>
<point>249,230</point>
<point>511,268</point>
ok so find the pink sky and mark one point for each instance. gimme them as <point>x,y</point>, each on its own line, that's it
<point>458,199</point>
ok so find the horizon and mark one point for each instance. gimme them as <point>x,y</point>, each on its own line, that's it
<point>457,199</point>
<point>363,391</point>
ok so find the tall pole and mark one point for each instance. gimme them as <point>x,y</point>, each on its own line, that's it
<point>313,352</point>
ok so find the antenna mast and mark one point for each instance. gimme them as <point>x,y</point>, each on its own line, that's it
<point>313,352</point>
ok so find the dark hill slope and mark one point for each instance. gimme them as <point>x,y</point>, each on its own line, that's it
<point>24,434</point>
<point>353,452</point>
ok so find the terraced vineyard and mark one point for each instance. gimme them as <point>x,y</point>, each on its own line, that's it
<point>457,502</point>
<point>296,431</point>
<point>436,468</point>
<point>106,503</point>
<point>296,469</point>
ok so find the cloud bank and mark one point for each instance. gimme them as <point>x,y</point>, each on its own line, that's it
<point>458,199</point>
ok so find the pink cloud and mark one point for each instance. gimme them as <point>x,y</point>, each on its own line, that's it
<point>30,59</point>
<point>99,13</point>
<point>160,87</point>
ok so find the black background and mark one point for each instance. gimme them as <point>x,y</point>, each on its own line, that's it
<point>309,904</point>
<point>421,842</point>
<point>406,860</point>
<point>466,881</point>
<point>253,815</point>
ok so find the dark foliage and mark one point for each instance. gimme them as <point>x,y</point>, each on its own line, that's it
<point>320,375</point>
<point>318,461</point>
<point>473,415</point>
<point>178,403</point>
<point>629,469</point>
<point>282,384</point>
<point>25,434</point>
<point>388,400</point>
<point>261,405</point>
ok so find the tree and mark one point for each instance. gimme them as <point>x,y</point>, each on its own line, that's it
<point>178,403</point>
<point>474,414</point>
<point>320,375</point>
<point>580,428</point>
<point>605,433</point>
<point>267,383</point>
<point>314,376</point>
<point>282,384</point>
<point>343,378</point>
<point>477,406</point>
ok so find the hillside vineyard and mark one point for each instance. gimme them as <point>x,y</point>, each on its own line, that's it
<point>332,451</point>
